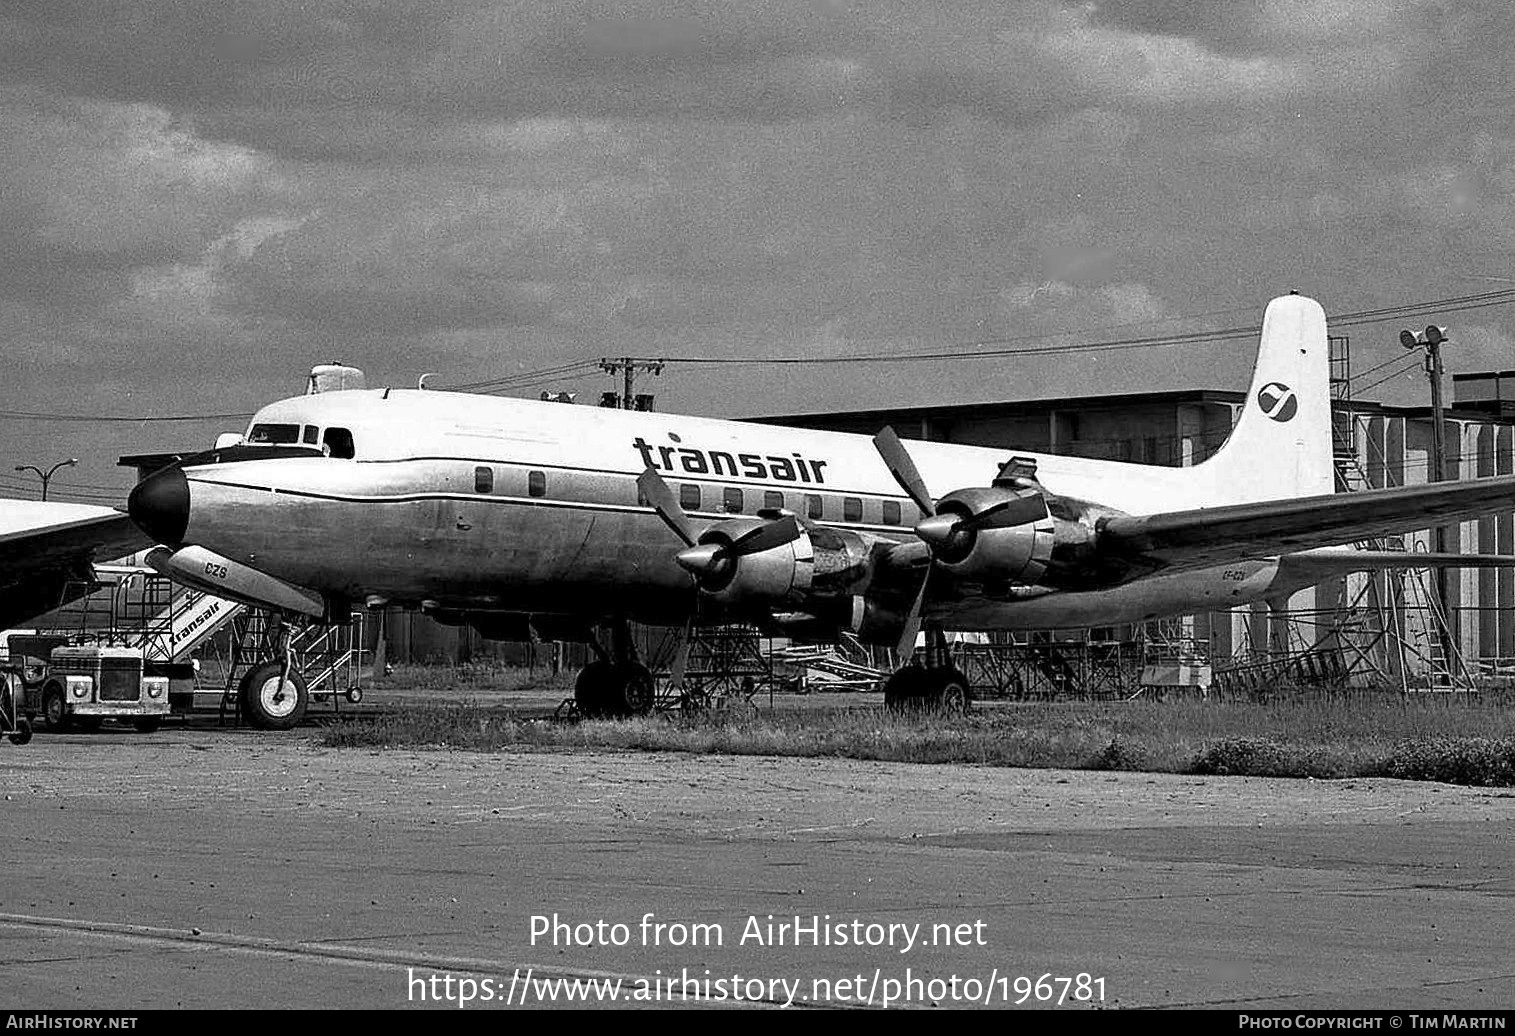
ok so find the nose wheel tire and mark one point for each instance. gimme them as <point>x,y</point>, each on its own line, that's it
<point>22,734</point>
<point>269,703</point>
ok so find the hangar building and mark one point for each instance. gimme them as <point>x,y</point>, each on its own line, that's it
<point>1394,620</point>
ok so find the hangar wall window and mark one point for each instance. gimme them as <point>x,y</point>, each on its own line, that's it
<point>773,501</point>
<point>689,497</point>
<point>891,512</point>
<point>311,435</point>
<point>536,483</point>
<point>731,500</point>
<point>815,507</point>
<point>338,443</point>
<point>483,480</point>
<point>852,509</point>
<point>274,434</point>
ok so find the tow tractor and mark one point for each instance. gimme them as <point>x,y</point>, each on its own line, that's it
<point>80,685</point>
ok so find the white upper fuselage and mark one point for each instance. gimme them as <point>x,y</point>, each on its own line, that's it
<point>556,525</point>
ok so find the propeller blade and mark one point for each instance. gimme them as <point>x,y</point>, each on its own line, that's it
<point>380,647</point>
<point>1008,513</point>
<point>913,620</point>
<point>656,492</point>
<point>765,537</point>
<point>897,460</point>
<point>681,656</point>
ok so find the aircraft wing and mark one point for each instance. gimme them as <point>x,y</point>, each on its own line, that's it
<point>47,552</point>
<point>1215,535</point>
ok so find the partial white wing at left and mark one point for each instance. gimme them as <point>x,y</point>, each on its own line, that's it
<point>48,552</point>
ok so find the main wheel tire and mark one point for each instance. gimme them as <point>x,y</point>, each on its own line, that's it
<point>950,696</point>
<point>634,690</point>
<point>902,691</point>
<point>268,704</point>
<point>593,690</point>
<point>55,707</point>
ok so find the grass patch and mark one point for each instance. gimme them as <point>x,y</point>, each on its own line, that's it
<point>1463,744</point>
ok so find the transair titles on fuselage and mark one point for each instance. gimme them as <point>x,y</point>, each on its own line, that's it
<point>688,460</point>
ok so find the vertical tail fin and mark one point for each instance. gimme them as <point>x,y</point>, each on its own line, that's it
<point>1281,445</point>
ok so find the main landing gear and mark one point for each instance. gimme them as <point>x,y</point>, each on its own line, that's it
<point>937,686</point>
<point>615,685</point>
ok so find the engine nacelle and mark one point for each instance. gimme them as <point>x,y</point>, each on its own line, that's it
<point>775,576</point>
<point>1015,545</point>
<point>820,563</point>
<point>871,621</point>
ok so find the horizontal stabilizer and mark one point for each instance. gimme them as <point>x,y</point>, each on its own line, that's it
<point>1217,535</point>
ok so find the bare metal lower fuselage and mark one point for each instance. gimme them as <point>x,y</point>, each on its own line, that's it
<point>353,530</point>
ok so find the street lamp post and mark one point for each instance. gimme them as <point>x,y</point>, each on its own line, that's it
<point>47,476</point>
<point>1430,340</point>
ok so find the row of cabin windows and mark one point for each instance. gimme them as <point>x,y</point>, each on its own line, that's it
<point>733,500</point>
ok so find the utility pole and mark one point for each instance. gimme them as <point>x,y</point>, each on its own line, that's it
<point>629,365</point>
<point>1430,340</point>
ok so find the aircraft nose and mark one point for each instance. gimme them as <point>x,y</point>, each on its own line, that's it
<point>160,506</point>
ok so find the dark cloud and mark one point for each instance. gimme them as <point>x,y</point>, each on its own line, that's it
<point>212,196</point>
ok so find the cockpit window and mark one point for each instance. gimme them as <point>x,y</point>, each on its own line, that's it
<point>274,434</point>
<point>338,443</point>
<point>311,431</point>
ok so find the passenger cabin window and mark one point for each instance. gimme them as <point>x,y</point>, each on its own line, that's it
<point>483,480</point>
<point>274,434</point>
<point>773,501</point>
<point>815,507</point>
<point>536,483</point>
<point>311,436</point>
<point>891,512</point>
<point>852,509</point>
<point>689,497</point>
<point>731,500</point>
<point>338,443</point>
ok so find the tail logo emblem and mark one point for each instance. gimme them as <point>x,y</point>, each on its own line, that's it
<point>1277,401</point>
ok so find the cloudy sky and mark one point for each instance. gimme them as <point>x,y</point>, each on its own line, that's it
<point>200,200</point>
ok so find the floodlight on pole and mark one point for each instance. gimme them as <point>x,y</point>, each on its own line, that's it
<point>47,476</point>
<point>1431,340</point>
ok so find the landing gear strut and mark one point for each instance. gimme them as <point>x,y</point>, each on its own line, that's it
<point>273,696</point>
<point>616,684</point>
<point>937,686</point>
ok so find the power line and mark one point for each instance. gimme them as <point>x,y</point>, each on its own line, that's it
<point>27,415</point>
<point>1461,303</point>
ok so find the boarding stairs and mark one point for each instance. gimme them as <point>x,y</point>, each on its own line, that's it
<point>186,621</point>
<point>825,668</point>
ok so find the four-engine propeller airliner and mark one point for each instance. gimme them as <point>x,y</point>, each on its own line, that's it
<point>516,515</point>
